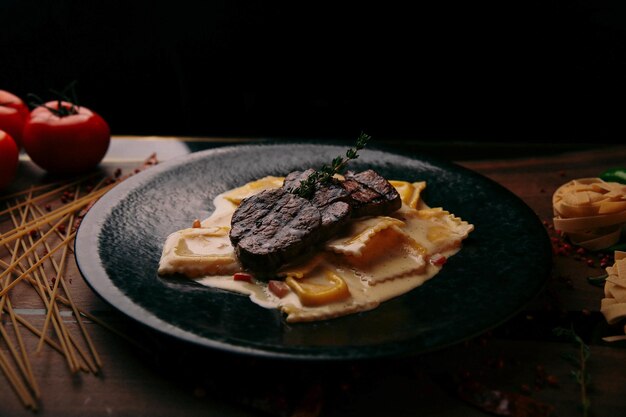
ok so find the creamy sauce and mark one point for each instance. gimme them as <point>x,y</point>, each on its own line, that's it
<point>376,258</point>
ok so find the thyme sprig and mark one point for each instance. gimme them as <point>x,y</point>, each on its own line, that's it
<point>326,172</point>
<point>581,375</point>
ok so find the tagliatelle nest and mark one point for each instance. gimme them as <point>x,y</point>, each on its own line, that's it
<point>590,212</point>
<point>613,305</point>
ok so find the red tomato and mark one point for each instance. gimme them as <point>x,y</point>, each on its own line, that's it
<point>66,144</point>
<point>13,115</point>
<point>9,158</point>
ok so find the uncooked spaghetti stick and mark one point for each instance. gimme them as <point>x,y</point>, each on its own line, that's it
<point>57,322</point>
<point>64,211</point>
<point>42,196</point>
<point>59,277</point>
<point>54,345</point>
<point>35,265</point>
<point>16,383</point>
<point>32,248</point>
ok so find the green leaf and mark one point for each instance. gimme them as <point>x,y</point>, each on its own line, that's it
<point>306,188</point>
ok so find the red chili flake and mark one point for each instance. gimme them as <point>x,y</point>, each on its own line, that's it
<point>552,380</point>
<point>278,288</point>
<point>581,251</point>
<point>63,199</point>
<point>137,170</point>
<point>438,259</point>
<point>196,224</point>
<point>242,276</point>
<point>590,263</point>
<point>33,233</point>
<point>48,207</point>
<point>61,228</point>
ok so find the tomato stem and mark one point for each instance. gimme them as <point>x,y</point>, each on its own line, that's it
<point>62,109</point>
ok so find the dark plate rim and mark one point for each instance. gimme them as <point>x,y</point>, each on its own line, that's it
<point>97,279</point>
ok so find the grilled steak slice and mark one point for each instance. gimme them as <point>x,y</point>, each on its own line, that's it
<point>273,227</point>
<point>371,194</point>
<point>276,226</point>
<point>293,179</point>
<point>331,199</point>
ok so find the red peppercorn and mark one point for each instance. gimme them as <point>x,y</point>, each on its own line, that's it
<point>552,380</point>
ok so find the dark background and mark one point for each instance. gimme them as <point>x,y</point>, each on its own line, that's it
<point>529,71</point>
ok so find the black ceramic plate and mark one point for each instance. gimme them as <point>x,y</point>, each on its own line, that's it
<point>503,263</point>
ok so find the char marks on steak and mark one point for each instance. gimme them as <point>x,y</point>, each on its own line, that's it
<point>272,228</point>
<point>275,226</point>
<point>331,199</point>
<point>371,194</point>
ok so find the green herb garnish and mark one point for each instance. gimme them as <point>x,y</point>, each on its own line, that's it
<point>579,360</point>
<point>598,281</point>
<point>325,173</point>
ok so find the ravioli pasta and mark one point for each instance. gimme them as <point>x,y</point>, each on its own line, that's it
<point>370,261</point>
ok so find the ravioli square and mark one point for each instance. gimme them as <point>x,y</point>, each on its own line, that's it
<point>199,251</point>
<point>236,195</point>
<point>389,254</point>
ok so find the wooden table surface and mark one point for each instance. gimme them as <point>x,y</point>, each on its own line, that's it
<point>144,374</point>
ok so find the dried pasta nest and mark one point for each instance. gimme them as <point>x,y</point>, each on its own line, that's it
<point>590,212</point>
<point>613,305</point>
